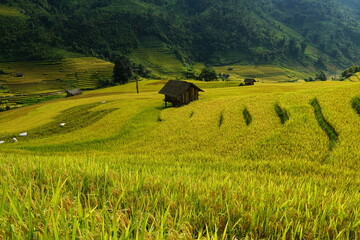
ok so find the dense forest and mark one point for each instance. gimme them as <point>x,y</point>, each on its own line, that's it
<point>319,33</point>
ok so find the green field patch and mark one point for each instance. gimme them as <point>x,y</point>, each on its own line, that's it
<point>158,58</point>
<point>39,87</point>
<point>10,12</point>
<point>355,103</point>
<point>74,119</point>
<point>324,124</point>
<point>247,116</point>
<point>282,113</point>
<point>39,99</point>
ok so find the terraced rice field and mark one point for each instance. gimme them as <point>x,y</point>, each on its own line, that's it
<point>75,71</point>
<point>254,162</point>
<point>40,77</point>
<point>261,73</point>
<point>160,60</point>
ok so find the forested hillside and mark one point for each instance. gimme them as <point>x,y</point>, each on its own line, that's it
<point>321,33</point>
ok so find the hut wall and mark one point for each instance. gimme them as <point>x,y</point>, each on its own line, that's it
<point>190,95</point>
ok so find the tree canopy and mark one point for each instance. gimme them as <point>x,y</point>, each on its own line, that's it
<point>122,70</point>
<point>208,74</point>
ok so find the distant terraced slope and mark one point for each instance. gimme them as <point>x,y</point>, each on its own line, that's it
<point>263,73</point>
<point>43,77</point>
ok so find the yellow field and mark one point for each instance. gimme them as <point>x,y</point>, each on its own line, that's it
<point>124,167</point>
<point>355,77</point>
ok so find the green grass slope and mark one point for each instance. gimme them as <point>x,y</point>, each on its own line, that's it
<point>124,167</point>
<point>159,58</point>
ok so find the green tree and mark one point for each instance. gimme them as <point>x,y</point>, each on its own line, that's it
<point>190,74</point>
<point>122,70</point>
<point>321,76</point>
<point>208,74</point>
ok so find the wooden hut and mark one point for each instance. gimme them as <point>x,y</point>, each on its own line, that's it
<point>249,81</point>
<point>180,92</point>
<point>73,92</point>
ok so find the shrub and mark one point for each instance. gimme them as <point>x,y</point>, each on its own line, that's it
<point>190,74</point>
<point>321,76</point>
<point>355,103</point>
<point>324,124</point>
<point>350,71</point>
<point>208,74</point>
<point>102,83</point>
<point>310,79</point>
<point>282,114</point>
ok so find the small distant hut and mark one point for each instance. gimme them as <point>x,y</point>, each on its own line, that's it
<point>73,92</point>
<point>19,74</point>
<point>249,81</point>
<point>180,92</point>
<point>230,68</point>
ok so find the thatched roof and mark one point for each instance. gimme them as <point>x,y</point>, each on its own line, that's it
<point>73,92</point>
<point>175,88</point>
